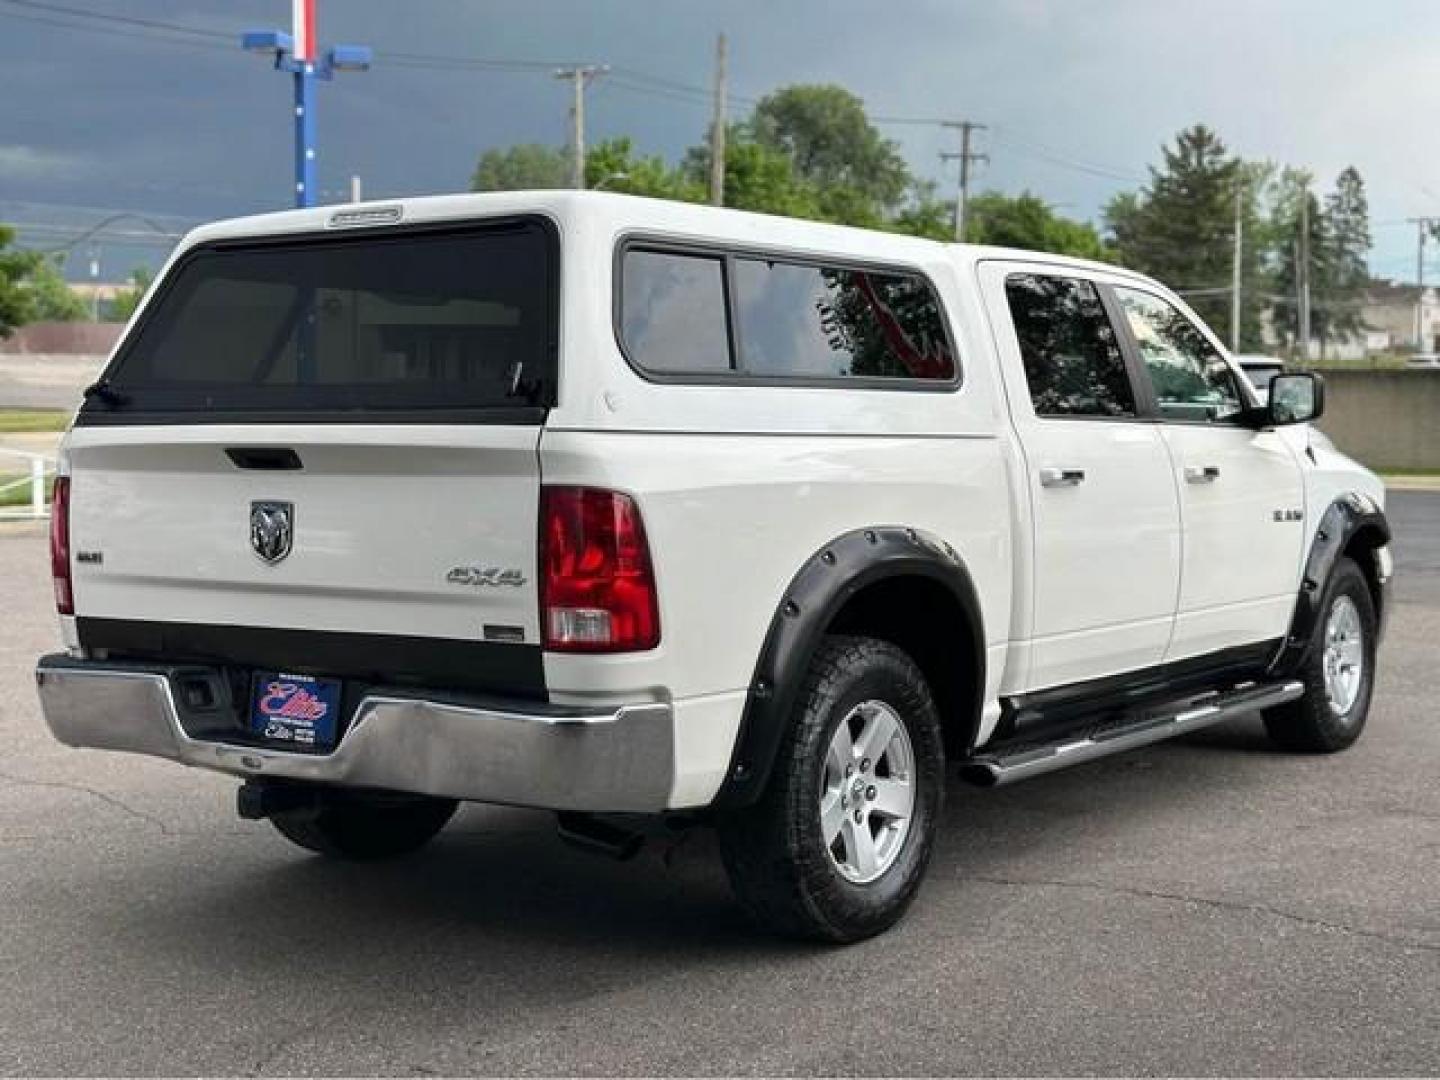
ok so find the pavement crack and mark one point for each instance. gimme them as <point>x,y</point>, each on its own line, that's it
<point>1210,902</point>
<point>82,789</point>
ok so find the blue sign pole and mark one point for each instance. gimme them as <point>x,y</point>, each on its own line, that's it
<point>306,188</point>
<point>297,55</point>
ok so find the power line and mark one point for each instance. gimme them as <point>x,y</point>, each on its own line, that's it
<point>1039,150</point>
<point>917,121</point>
<point>127,20</point>
<point>115,31</point>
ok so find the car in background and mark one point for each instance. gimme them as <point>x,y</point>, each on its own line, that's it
<point>1260,370</point>
<point>1425,361</point>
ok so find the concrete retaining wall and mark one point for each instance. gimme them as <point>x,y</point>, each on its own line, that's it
<point>1385,419</point>
<point>63,339</point>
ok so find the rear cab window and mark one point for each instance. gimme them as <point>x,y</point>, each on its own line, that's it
<point>708,316</point>
<point>415,324</point>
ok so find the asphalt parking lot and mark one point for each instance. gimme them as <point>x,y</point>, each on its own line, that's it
<point>1209,906</point>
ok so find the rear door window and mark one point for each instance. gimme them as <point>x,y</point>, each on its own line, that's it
<point>459,320</point>
<point>1072,358</point>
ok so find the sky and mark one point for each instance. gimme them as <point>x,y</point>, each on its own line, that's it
<point>100,117</point>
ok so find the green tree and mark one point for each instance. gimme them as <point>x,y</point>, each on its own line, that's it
<point>1291,190</point>
<point>926,214</point>
<point>858,176</point>
<point>757,177</point>
<point>125,303</point>
<point>15,301</point>
<point>615,164</point>
<point>51,298</point>
<point>1347,234</point>
<point>1027,221</point>
<point>1339,246</point>
<point>524,167</point>
<point>1180,227</point>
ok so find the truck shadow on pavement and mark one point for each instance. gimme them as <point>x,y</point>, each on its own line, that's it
<point>498,888</point>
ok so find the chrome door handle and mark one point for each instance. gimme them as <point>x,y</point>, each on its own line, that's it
<point>1051,476</point>
<point>1201,474</point>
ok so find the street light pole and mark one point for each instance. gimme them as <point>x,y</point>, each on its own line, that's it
<point>296,53</point>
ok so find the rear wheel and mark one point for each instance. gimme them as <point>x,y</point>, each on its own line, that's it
<point>1339,671</point>
<point>837,846</point>
<point>358,827</point>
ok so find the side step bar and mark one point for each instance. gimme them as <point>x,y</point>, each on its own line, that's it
<point>1006,765</point>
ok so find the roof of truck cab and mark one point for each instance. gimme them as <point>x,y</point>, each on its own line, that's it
<point>663,217</point>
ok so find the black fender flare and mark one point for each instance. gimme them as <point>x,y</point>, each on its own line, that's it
<point>818,591</point>
<point>1346,516</point>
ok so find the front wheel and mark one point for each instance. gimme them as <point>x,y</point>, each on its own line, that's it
<point>837,845</point>
<point>1339,671</point>
<point>363,827</point>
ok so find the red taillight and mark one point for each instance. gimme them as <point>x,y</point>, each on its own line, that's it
<point>597,589</point>
<point>60,546</point>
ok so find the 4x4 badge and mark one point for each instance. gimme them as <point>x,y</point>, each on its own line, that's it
<point>272,530</point>
<point>485,576</point>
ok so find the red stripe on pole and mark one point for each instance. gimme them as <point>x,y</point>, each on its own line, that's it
<point>304,11</point>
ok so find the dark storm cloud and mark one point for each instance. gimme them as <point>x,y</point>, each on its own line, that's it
<point>1080,94</point>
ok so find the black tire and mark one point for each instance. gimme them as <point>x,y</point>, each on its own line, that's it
<point>779,864</point>
<point>1312,723</point>
<point>365,828</point>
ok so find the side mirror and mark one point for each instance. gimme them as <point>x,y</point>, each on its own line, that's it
<point>1296,398</point>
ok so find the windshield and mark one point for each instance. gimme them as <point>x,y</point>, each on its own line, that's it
<point>453,320</point>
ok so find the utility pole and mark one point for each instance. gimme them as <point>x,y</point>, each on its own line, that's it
<point>1302,275</point>
<point>1235,267</point>
<point>1424,226</point>
<point>298,54</point>
<point>717,128</point>
<point>581,75</point>
<point>94,284</point>
<point>965,157</point>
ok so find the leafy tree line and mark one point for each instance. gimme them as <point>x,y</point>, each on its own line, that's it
<point>32,288</point>
<point>1180,227</point>
<point>810,151</point>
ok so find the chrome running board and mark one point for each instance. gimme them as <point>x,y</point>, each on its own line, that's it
<point>1020,761</point>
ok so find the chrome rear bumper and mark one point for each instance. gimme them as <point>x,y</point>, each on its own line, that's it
<point>521,754</point>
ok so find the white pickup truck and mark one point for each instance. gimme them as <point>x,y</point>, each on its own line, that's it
<point>616,506</point>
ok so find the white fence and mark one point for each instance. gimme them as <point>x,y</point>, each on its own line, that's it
<point>39,468</point>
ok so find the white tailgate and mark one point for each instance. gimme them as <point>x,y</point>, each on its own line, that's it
<point>382,514</point>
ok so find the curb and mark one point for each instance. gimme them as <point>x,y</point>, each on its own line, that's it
<point>1411,483</point>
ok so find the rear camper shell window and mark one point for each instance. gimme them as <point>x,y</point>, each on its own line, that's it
<point>712,314</point>
<point>418,324</point>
